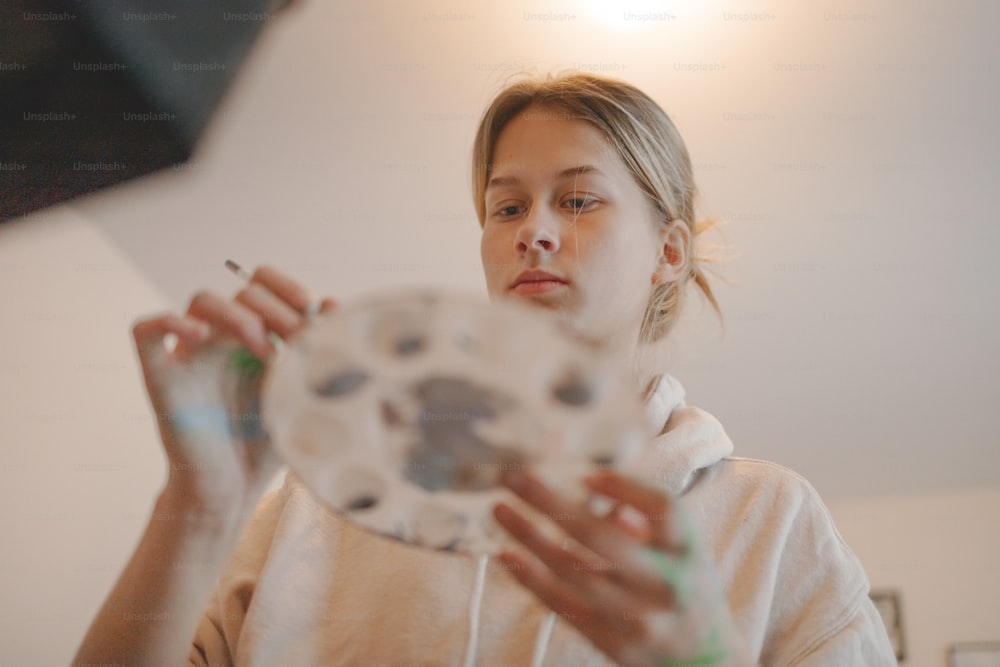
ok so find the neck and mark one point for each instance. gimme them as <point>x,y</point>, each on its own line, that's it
<point>643,362</point>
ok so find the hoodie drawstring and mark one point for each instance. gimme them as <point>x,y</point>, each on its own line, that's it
<point>475,608</point>
<point>542,641</point>
<point>475,605</point>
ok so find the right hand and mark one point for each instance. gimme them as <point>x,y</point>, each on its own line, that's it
<point>220,460</point>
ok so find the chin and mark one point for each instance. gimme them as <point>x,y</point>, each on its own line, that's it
<point>540,301</point>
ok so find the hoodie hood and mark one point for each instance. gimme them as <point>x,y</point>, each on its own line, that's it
<point>688,439</point>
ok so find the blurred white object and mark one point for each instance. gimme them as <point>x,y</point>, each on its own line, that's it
<point>403,412</point>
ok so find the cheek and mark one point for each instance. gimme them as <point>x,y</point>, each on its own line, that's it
<point>491,256</point>
<point>621,264</point>
<point>603,252</point>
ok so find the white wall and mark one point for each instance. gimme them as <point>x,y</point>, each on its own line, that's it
<point>941,552</point>
<point>80,462</point>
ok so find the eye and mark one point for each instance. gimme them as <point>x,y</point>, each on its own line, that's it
<point>580,202</point>
<point>507,210</point>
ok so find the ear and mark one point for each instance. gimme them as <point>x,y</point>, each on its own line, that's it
<point>674,241</point>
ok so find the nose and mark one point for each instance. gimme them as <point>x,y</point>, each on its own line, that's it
<point>538,232</point>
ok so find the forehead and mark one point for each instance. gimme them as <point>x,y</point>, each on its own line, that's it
<point>544,141</point>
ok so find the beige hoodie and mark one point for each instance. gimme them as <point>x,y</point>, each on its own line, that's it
<point>307,588</point>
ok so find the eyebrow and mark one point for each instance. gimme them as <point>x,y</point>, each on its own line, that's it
<point>498,181</point>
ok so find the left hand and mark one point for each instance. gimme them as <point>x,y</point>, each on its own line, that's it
<point>636,582</point>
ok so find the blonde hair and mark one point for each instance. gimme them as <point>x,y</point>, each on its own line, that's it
<point>648,143</point>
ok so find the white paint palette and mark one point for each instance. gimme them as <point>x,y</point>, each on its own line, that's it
<point>402,412</point>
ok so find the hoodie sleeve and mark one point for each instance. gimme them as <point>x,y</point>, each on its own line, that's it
<point>220,628</point>
<point>845,626</point>
<point>861,641</point>
<point>798,594</point>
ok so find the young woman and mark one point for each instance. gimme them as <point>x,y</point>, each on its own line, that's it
<point>585,194</point>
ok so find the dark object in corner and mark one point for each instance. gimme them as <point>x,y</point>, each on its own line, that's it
<point>891,610</point>
<point>94,93</point>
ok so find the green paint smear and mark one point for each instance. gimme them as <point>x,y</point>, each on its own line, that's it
<point>713,653</point>
<point>244,361</point>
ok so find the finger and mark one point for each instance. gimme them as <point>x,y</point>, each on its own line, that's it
<point>150,343</point>
<point>597,534</point>
<point>613,484</point>
<point>277,315</point>
<point>609,628</point>
<point>234,320</point>
<point>149,335</point>
<point>630,565</point>
<point>285,288</point>
<point>673,551</point>
<point>574,567</point>
<point>653,506</point>
<point>540,581</point>
<point>158,326</point>
<point>632,522</point>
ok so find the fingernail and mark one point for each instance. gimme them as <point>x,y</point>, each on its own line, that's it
<point>200,330</point>
<point>501,511</point>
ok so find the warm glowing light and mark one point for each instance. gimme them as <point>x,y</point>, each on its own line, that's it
<point>632,13</point>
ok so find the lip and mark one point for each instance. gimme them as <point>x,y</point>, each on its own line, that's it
<point>536,282</point>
